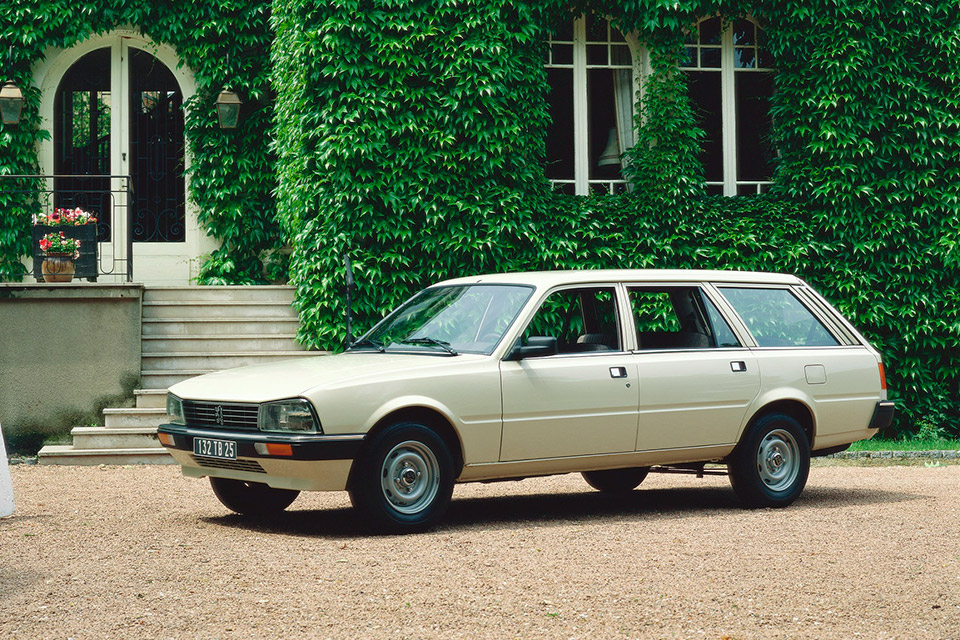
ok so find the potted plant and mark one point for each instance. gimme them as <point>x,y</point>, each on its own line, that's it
<point>75,224</point>
<point>60,252</point>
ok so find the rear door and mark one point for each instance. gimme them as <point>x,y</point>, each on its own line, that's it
<point>697,378</point>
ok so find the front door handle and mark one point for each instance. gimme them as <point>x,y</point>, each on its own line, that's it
<point>738,366</point>
<point>618,372</point>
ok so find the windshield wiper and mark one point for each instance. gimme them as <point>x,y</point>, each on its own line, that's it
<point>369,342</point>
<point>432,342</point>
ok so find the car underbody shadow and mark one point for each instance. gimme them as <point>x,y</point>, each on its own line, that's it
<point>557,509</point>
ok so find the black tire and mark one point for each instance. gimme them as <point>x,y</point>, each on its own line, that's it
<point>770,466</point>
<point>403,480</point>
<point>252,498</point>
<point>616,480</point>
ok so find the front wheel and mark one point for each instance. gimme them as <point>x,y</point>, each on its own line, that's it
<point>772,462</point>
<point>404,480</point>
<point>252,498</point>
<point>616,480</point>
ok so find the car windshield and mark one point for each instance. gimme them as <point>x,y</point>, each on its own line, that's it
<point>449,320</point>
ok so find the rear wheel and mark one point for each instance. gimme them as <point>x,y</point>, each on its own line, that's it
<point>252,498</point>
<point>404,480</point>
<point>616,480</point>
<point>772,462</point>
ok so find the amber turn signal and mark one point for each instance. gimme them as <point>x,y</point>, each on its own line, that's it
<point>165,439</point>
<point>275,449</point>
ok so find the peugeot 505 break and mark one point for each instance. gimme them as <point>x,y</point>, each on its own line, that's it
<point>611,374</point>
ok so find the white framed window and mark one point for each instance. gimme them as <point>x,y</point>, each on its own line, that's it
<point>730,83</point>
<point>593,75</point>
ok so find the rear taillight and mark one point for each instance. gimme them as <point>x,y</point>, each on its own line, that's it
<point>883,378</point>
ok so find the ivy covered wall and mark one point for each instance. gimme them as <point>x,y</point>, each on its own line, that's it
<point>410,136</point>
<point>223,42</point>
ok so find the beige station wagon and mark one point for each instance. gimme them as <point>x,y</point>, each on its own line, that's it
<point>612,374</point>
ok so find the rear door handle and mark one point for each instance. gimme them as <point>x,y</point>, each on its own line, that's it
<point>738,366</point>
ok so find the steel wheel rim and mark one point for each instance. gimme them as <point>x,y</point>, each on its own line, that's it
<point>410,477</point>
<point>778,460</point>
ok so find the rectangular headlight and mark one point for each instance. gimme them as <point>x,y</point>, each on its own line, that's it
<point>175,410</point>
<point>288,416</point>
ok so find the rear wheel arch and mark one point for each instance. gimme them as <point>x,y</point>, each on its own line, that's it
<point>793,408</point>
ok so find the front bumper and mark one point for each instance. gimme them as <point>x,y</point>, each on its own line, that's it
<point>316,462</point>
<point>303,446</point>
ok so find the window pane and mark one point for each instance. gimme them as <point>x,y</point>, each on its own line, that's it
<point>704,91</point>
<point>597,54</point>
<point>581,320</point>
<point>776,318</point>
<point>721,330</point>
<point>564,31</point>
<point>620,54</point>
<point>744,58</point>
<point>744,32</point>
<point>710,31</point>
<point>670,318</point>
<point>560,134</point>
<point>561,54</point>
<point>602,138</point>
<point>596,29</point>
<point>710,58</point>
<point>754,148</point>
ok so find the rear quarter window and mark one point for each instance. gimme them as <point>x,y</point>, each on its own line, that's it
<point>777,318</point>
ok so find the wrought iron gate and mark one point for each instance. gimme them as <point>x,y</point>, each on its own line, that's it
<point>107,197</point>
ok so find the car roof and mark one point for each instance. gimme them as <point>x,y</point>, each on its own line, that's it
<point>555,278</point>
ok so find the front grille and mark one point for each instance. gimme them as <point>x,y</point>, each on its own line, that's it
<point>234,465</point>
<point>230,415</point>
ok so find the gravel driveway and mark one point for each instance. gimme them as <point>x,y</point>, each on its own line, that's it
<point>140,552</point>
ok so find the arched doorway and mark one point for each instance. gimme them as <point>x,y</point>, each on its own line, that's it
<point>114,107</point>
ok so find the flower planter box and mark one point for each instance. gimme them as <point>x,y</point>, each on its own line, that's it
<point>85,265</point>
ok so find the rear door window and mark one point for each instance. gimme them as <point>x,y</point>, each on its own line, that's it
<point>777,318</point>
<point>677,318</point>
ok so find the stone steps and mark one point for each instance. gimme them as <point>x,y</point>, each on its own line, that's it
<point>203,343</point>
<point>186,332</point>
<point>68,454</point>
<point>208,309</point>
<point>211,361</point>
<point>252,326</point>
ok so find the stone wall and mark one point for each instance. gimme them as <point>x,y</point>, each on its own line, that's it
<point>66,351</point>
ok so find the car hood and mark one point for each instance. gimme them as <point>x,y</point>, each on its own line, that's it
<point>293,378</point>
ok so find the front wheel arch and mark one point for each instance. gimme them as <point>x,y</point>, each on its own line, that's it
<point>426,416</point>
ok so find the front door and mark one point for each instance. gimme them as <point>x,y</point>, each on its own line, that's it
<point>118,111</point>
<point>581,401</point>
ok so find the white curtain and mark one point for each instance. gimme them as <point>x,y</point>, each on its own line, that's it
<point>623,101</point>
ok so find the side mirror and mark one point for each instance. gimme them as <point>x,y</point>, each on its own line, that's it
<point>536,347</point>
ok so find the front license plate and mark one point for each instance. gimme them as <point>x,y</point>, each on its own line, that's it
<point>209,448</point>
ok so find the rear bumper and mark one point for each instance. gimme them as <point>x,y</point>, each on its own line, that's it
<point>883,415</point>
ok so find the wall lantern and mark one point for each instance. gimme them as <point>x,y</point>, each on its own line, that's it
<point>11,102</point>
<point>228,109</point>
